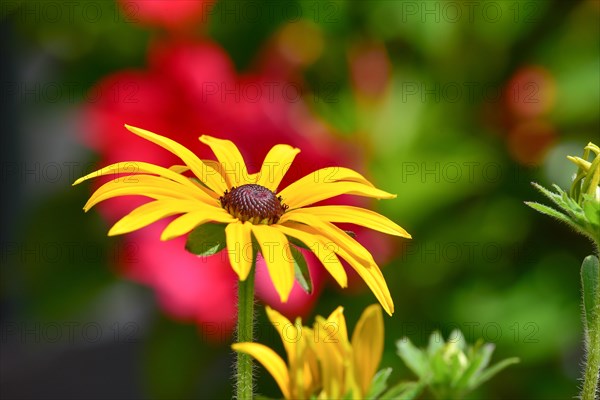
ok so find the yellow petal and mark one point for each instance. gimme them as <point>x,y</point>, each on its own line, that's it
<point>239,247</point>
<point>277,255</point>
<point>374,279</point>
<point>321,248</point>
<point>338,331</point>
<point>329,175</point>
<point>312,376</point>
<point>335,236</point>
<point>277,162</point>
<point>150,186</point>
<point>179,169</point>
<point>330,358</point>
<point>149,213</point>
<point>310,193</point>
<point>357,216</point>
<point>367,345</point>
<point>288,332</point>
<point>270,360</point>
<point>207,174</point>
<point>339,321</point>
<point>349,250</point>
<point>187,222</point>
<point>230,158</point>
<point>136,167</point>
<point>110,190</point>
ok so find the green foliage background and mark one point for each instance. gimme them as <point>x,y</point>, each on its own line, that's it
<point>480,260</point>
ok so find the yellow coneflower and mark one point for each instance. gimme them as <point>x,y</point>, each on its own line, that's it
<point>322,362</point>
<point>250,205</point>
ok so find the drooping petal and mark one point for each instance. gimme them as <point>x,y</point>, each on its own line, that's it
<point>358,216</point>
<point>270,360</point>
<point>367,345</point>
<point>335,236</point>
<point>207,174</point>
<point>278,258</point>
<point>322,249</point>
<point>230,158</point>
<point>276,164</point>
<point>149,186</point>
<point>149,213</point>
<point>367,269</point>
<point>187,222</point>
<point>373,277</point>
<point>310,193</point>
<point>239,247</point>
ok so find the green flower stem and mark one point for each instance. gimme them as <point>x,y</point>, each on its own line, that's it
<point>245,333</point>
<point>592,362</point>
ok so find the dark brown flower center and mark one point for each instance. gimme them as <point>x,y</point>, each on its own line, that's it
<point>253,203</point>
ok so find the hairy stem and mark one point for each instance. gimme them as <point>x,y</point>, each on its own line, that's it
<point>245,333</point>
<point>592,362</point>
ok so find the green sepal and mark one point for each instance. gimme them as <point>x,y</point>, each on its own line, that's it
<point>494,369</point>
<point>591,209</point>
<point>206,240</point>
<point>590,272</point>
<point>379,383</point>
<point>478,361</point>
<point>403,391</point>
<point>301,271</point>
<point>413,357</point>
<point>550,211</point>
<point>297,243</point>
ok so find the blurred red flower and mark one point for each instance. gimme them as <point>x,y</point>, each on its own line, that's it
<point>189,89</point>
<point>168,14</point>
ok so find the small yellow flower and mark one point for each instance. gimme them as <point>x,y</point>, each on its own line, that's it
<point>587,180</point>
<point>224,192</point>
<point>322,362</point>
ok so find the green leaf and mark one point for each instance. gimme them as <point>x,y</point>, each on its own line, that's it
<point>413,357</point>
<point>549,211</point>
<point>297,243</point>
<point>590,272</point>
<point>206,240</point>
<point>379,383</point>
<point>301,270</point>
<point>490,372</point>
<point>403,391</point>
